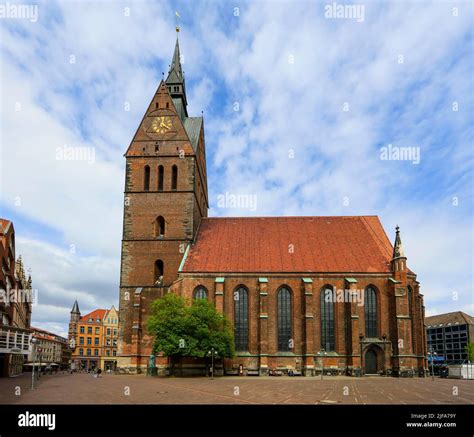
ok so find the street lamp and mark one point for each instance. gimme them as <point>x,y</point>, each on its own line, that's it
<point>33,341</point>
<point>322,353</point>
<point>361,338</point>
<point>212,353</point>
<point>432,354</point>
<point>40,351</point>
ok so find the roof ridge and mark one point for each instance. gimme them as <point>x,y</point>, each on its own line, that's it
<point>292,216</point>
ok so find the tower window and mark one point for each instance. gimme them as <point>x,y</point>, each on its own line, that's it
<point>161,172</point>
<point>159,270</point>
<point>159,227</point>
<point>157,105</point>
<point>167,105</point>
<point>146,185</point>
<point>174,177</point>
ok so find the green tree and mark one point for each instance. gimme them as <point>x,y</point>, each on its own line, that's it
<point>182,330</point>
<point>209,329</point>
<point>470,352</point>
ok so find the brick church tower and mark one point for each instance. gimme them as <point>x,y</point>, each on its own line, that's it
<point>165,199</point>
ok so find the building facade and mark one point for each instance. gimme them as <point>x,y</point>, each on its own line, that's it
<point>16,299</point>
<point>50,351</point>
<point>109,341</point>
<point>448,335</point>
<point>284,282</point>
<point>93,339</point>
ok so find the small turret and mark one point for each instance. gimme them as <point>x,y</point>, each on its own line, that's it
<point>399,261</point>
<point>75,308</point>
<point>75,317</point>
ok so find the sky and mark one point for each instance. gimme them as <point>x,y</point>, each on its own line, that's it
<point>306,111</point>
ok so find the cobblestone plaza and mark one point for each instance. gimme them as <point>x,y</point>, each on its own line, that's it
<point>140,389</point>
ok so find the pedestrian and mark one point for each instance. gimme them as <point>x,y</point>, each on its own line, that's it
<point>99,371</point>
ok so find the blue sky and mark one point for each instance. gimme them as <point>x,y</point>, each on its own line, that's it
<point>330,93</point>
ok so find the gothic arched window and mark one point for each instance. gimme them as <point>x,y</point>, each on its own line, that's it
<point>159,271</point>
<point>174,177</point>
<point>146,183</point>
<point>200,292</point>
<point>410,302</point>
<point>327,318</point>
<point>370,299</point>
<point>159,226</point>
<point>161,173</point>
<point>284,319</point>
<point>241,323</point>
<point>410,314</point>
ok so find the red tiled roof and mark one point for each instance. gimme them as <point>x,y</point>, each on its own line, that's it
<point>4,223</point>
<point>261,244</point>
<point>96,314</point>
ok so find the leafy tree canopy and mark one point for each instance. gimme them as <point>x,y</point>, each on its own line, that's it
<point>470,352</point>
<point>182,330</point>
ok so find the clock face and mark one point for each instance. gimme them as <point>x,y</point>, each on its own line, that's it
<point>162,125</point>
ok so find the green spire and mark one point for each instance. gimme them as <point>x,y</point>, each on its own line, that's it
<point>175,80</point>
<point>175,74</point>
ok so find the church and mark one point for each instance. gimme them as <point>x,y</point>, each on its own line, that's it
<point>306,294</point>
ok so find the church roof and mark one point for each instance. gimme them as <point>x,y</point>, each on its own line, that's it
<point>290,245</point>
<point>4,225</point>
<point>192,125</point>
<point>178,104</point>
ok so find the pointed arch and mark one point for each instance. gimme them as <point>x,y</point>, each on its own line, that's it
<point>146,178</point>
<point>200,292</point>
<point>174,177</point>
<point>284,319</point>
<point>241,319</point>
<point>161,176</point>
<point>328,337</point>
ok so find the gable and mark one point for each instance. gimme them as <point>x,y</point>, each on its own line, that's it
<point>147,139</point>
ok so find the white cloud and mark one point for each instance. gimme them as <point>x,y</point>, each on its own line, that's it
<point>291,71</point>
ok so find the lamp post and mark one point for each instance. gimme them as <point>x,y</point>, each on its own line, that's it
<point>321,353</point>
<point>432,354</point>
<point>361,337</point>
<point>212,353</point>
<point>33,349</point>
<point>40,350</point>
